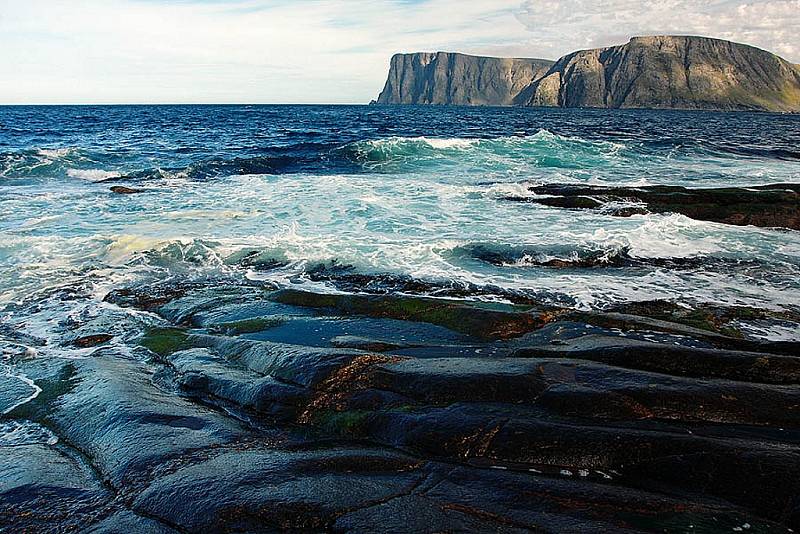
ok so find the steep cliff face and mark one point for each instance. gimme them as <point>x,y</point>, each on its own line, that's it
<point>459,79</point>
<point>677,72</point>
<point>671,72</point>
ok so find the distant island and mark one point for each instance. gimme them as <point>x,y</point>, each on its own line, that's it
<point>661,72</point>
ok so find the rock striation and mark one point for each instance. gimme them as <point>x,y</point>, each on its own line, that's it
<point>234,406</point>
<point>663,72</point>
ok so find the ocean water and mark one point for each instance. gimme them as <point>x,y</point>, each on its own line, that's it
<point>409,197</point>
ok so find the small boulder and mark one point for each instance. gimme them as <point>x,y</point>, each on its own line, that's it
<point>122,190</point>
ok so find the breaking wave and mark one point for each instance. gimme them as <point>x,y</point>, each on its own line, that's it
<point>217,168</point>
<point>100,167</point>
<point>543,149</point>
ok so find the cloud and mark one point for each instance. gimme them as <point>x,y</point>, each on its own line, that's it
<point>228,51</point>
<point>770,24</point>
<point>319,50</point>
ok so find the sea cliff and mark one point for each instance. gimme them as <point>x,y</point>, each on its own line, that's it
<point>667,72</point>
<point>459,79</point>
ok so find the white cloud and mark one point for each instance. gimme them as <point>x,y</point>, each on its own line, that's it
<point>319,50</point>
<point>559,26</point>
<point>228,51</point>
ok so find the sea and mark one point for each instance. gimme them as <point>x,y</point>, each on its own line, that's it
<point>378,199</point>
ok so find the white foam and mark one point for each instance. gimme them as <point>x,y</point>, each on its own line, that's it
<point>503,189</point>
<point>35,390</point>
<point>15,433</point>
<point>208,214</point>
<point>92,175</point>
<point>123,246</point>
<point>661,236</point>
<point>446,143</point>
<point>772,332</point>
<point>54,153</point>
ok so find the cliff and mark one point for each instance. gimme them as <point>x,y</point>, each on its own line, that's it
<point>676,72</point>
<point>459,79</point>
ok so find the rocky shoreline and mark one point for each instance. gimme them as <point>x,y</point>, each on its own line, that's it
<point>253,408</point>
<point>386,404</point>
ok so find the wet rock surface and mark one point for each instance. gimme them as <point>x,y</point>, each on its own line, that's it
<point>241,408</point>
<point>775,205</point>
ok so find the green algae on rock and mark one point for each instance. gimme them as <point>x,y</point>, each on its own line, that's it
<point>481,320</point>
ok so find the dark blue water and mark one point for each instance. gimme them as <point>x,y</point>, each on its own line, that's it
<point>399,198</point>
<point>222,140</point>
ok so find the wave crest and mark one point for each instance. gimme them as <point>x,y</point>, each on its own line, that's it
<point>542,149</point>
<point>100,167</point>
<point>39,162</point>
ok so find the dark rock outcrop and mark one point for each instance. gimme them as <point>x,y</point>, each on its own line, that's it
<point>123,190</point>
<point>669,72</point>
<point>774,205</point>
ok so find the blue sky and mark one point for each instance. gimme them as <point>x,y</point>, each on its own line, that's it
<point>313,51</point>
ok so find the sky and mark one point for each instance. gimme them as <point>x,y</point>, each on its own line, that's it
<point>322,51</point>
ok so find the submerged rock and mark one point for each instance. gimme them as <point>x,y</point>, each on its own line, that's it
<point>43,487</point>
<point>366,344</point>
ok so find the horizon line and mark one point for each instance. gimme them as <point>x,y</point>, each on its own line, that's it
<point>108,104</point>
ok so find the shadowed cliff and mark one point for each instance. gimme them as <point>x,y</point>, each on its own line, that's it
<point>459,79</point>
<point>676,72</point>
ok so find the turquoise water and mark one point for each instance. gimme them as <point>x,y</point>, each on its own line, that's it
<point>395,194</point>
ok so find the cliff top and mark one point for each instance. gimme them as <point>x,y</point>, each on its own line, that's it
<point>445,52</point>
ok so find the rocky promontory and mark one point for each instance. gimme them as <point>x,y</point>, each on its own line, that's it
<point>666,72</point>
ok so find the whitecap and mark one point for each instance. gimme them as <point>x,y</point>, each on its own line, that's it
<point>122,247</point>
<point>92,175</point>
<point>447,143</point>
<point>54,153</point>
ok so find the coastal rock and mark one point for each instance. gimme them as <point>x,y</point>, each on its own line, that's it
<point>484,322</point>
<point>92,340</point>
<point>43,485</point>
<point>123,190</point>
<point>675,72</point>
<point>774,205</point>
<point>521,418</point>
